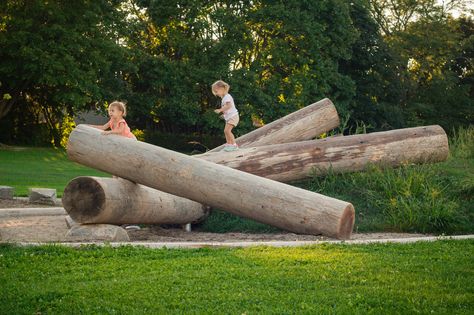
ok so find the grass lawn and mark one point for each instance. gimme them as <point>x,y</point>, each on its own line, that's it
<point>424,278</point>
<point>23,168</point>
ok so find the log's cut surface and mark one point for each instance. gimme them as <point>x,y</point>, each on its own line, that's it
<point>304,124</point>
<point>237,192</point>
<point>119,201</point>
<point>298,160</point>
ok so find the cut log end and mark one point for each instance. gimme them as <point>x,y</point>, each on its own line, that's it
<point>83,199</point>
<point>346,223</point>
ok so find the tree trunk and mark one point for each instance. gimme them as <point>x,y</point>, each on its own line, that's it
<point>304,124</point>
<point>237,192</point>
<point>119,201</point>
<point>298,160</point>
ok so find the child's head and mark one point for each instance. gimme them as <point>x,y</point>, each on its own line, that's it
<point>117,106</point>
<point>220,88</point>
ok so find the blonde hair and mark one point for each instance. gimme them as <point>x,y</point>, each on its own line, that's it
<point>120,106</point>
<point>220,84</point>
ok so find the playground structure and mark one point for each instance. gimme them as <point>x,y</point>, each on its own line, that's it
<point>278,158</point>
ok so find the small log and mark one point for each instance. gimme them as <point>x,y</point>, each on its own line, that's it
<point>237,192</point>
<point>119,201</point>
<point>304,124</point>
<point>298,160</point>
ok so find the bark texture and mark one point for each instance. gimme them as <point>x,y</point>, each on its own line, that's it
<point>294,161</point>
<point>237,192</point>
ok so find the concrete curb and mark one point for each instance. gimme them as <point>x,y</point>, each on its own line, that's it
<point>190,245</point>
<point>26,212</point>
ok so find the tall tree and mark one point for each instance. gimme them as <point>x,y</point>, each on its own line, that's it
<point>57,57</point>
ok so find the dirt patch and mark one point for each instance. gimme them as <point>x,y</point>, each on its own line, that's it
<point>53,228</point>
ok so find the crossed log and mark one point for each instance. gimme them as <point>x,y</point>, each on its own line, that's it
<point>114,201</point>
<point>247,195</point>
<point>282,162</point>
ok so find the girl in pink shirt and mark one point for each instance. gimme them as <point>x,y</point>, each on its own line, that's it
<point>117,123</point>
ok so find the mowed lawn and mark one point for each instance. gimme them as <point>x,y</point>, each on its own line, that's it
<point>23,168</point>
<point>419,278</point>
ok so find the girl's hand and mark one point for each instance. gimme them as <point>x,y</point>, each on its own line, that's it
<point>105,133</point>
<point>217,111</point>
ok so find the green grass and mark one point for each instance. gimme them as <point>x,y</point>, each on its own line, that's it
<point>24,168</point>
<point>425,278</point>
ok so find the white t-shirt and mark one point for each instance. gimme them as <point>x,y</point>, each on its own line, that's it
<point>232,111</point>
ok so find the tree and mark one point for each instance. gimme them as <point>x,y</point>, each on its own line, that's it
<point>57,57</point>
<point>277,56</point>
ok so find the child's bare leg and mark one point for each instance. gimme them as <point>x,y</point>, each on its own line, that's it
<point>229,136</point>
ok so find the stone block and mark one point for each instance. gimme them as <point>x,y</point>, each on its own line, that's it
<point>6,192</point>
<point>42,195</point>
<point>96,233</point>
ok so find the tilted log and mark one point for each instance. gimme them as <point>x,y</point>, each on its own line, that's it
<point>298,160</point>
<point>90,199</point>
<point>304,124</point>
<point>237,192</point>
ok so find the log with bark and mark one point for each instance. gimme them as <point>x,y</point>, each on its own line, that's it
<point>264,200</point>
<point>304,124</point>
<point>298,160</point>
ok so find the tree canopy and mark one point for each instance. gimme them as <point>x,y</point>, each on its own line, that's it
<point>386,63</point>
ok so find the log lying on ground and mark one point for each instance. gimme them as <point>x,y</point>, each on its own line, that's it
<point>294,161</point>
<point>304,124</point>
<point>237,192</point>
<point>119,201</point>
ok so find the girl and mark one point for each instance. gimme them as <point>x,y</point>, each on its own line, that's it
<point>117,123</point>
<point>231,114</point>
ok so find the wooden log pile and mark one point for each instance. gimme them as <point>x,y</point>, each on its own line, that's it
<point>161,186</point>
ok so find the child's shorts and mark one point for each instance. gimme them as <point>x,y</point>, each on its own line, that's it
<point>234,120</point>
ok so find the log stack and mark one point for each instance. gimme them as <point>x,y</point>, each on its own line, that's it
<point>247,195</point>
<point>169,187</point>
<point>105,200</point>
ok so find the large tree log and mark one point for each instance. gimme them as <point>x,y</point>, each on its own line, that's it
<point>303,124</point>
<point>298,160</point>
<point>119,201</point>
<point>237,192</point>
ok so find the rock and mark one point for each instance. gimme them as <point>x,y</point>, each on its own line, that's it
<point>42,195</point>
<point>96,232</point>
<point>6,192</point>
<point>70,222</point>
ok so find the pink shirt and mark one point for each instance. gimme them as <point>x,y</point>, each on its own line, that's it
<point>126,132</point>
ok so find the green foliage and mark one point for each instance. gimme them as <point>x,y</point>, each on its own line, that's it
<point>424,277</point>
<point>277,57</point>
<point>58,57</point>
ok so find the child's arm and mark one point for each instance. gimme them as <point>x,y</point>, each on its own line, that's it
<point>118,131</point>
<point>101,127</point>
<point>224,108</point>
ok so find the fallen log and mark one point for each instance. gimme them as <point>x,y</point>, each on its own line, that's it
<point>118,201</point>
<point>298,160</point>
<point>237,192</point>
<point>304,124</point>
